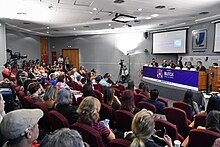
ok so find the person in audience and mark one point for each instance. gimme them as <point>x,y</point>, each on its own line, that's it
<point>78,80</point>
<point>61,82</point>
<point>35,90</point>
<point>104,80</point>
<point>200,67</point>
<point>154,63</point>
<point>111,100</point>
<point>52,77</point>
<point>50,96</point>
<point>82,71</point>
<point>213,104</point>
<point>109,76</point>
<point>171,64</point>
<point>188,98</point>
<point>143,130</point>
<point>189,65</point>
<point>2,107</point>
<point>164,64</point>
<point>179,64</point>
<point>145,90</point>
<point>20,127</point>
<point>64,105</point>
<point>216,143</point>
<point>7,73</point>
<point>213,121</point>
<point>83,81</point>
<point>215,64</point>
<point>153,100</point>
<point>140,86</point>
<point>127,102</point>
<point>30,79</point>
<point>88,90</point>
<point>89,114</point>
<point>63,137</point>
<point>131,86</point>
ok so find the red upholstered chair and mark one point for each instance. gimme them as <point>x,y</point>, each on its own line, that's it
<point>163,100</point>
<point>104,88</point>
<point>119,143</point>
<point>79,88</point>
<point>137,91</point>
<point>148,106</point>
<point>48,83</point>
<point>44,123</point>
<point>74,102</point>
<point>121,87</point>
<point>105,112</point>
<point>89,135</point>
<point>79,100</point>
<point>21,96</point>
<point>138,98</point>
<point>177,117</point>
<point>115,86</point>
<point>17,89</point>
<point>98,87</point>
<point>123,120</point>
<point>117,92</point>
<point>202,138</point>
<point>171,129</point>
<point>28,102</point>
<point>57,120</point>
<point>185,107</point>
<point>200,120</point>
<point>98,95</point>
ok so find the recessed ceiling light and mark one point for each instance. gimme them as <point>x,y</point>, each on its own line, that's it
<point>160,7</point>
<point>148,18</point>
<point>204,13</point>
<point>161,24</point>
<point>56,30</point>
<point>171,9</point>
<point>47,32</point>
<point>119,1</point>
<point>48,27</point>
<point>109,24</point>
<point>97,18</point>
<point>74,29</point>
<point>90,12</point>
<point>94,9</point>
<point>26,23</point>
<point>139,9</point>
<point>86,26</point>
<point>155,15</point>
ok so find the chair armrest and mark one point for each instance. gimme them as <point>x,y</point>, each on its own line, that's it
<point>189,122</point>
<point>191,126</point>
<point>185,142</point>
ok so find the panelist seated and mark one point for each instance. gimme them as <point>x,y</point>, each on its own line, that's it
<point>179,64</point>
<point>200,67</point>
<point>154,63</point>
<point>164,64</point>
<point>171,64</point>
<point>189,65</point>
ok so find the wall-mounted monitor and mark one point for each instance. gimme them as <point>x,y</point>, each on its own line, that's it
<point>217,38</point>
<point>169,42</point>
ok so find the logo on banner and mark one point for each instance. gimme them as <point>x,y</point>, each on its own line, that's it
<point>160,73</point>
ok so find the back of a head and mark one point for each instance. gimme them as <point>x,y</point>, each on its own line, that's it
<point>88,108</point>
<point>106,76</point>
<point>143,127</point>
<point>88,89</point>
<point>130,85</point>
<point>83,80</point>
<point>61,78</point>
<point>145,88</point>
<point>64,97</point>
<point>188,97</point>
<point>108,95</point>
<point>64,137</point>
<point>127,100</point>
<point>33,87</point>
<point>141,85</point>
<point>212,121</point>
<point>213,104</point>
<point>50,93</point>
<point>154,94</point>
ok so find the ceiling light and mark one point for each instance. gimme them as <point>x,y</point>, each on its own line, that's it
<point>139,9</point>
<point>90,12</point>
<point>148,18</point>
<point>204,13</point>
<point>94,9</point>
<point>74,29</point>
<point>155,15</point>
<point>160,7</point>
<point>119,1</point>
<point>109,24</point>
<point>47,32</point>
<point>48,27</point>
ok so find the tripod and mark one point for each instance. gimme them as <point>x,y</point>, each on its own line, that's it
<point>123,75</point>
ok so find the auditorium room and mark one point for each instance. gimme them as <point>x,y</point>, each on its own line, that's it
<point>109,73</point>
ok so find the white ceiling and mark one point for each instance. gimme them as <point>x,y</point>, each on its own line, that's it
<point>61,16</point>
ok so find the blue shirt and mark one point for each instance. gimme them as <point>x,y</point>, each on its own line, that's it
<point>104,83</point>
<point>53,82</point>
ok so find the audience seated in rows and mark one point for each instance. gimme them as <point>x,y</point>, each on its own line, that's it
<point>145,90</point>
<point>111,100</point>
<point>64,137</point>
<point>104,80</point>
<point>50,96</point>
<point>20,127</point>
<point>35,90</point>
<point>64,105</point>
<point>89,114</point>
<point>127,102</point>
<point>61,82</point>
<point>153,100</point>
<point>188,98</point>
<point>88,90</point>
<point>213,121</point>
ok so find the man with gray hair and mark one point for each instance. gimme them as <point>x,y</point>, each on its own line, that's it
<point>64,137</point>
<point>64,105</point>
<point>20,127</point>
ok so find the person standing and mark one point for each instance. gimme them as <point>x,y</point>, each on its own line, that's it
<point>60,59</point>
<point>200,67</point>
<point>67,63</point>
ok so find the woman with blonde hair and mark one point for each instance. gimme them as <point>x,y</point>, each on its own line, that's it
<point>89,114</point>
<point>50,97</point>
<point>143,128</point>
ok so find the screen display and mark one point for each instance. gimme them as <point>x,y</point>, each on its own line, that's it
<point>169,42</point>
<point>217,38</point>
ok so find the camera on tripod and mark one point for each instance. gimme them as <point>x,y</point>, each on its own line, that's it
<point>14,58</point>
<point>121,63</point>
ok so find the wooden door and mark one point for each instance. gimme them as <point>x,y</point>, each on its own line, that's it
<point>73,55</point>
<point>44,48</point>
<point>54,56</point>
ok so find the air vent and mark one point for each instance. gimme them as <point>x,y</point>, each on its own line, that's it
<point>204,13</point>
<point>22,13</point>
<point>26,23</point>
<point>97,18</point>
<point>56,30</point>
<point>160,7</point>
<point>85,26</point>
<point>171,9</point>
<point>161,24</point>
<point>119,1</point>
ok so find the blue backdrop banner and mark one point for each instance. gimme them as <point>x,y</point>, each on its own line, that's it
<point>175,77</point>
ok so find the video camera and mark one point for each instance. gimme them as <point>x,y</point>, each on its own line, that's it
<point>16,55</point>
<point>121,63</point>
